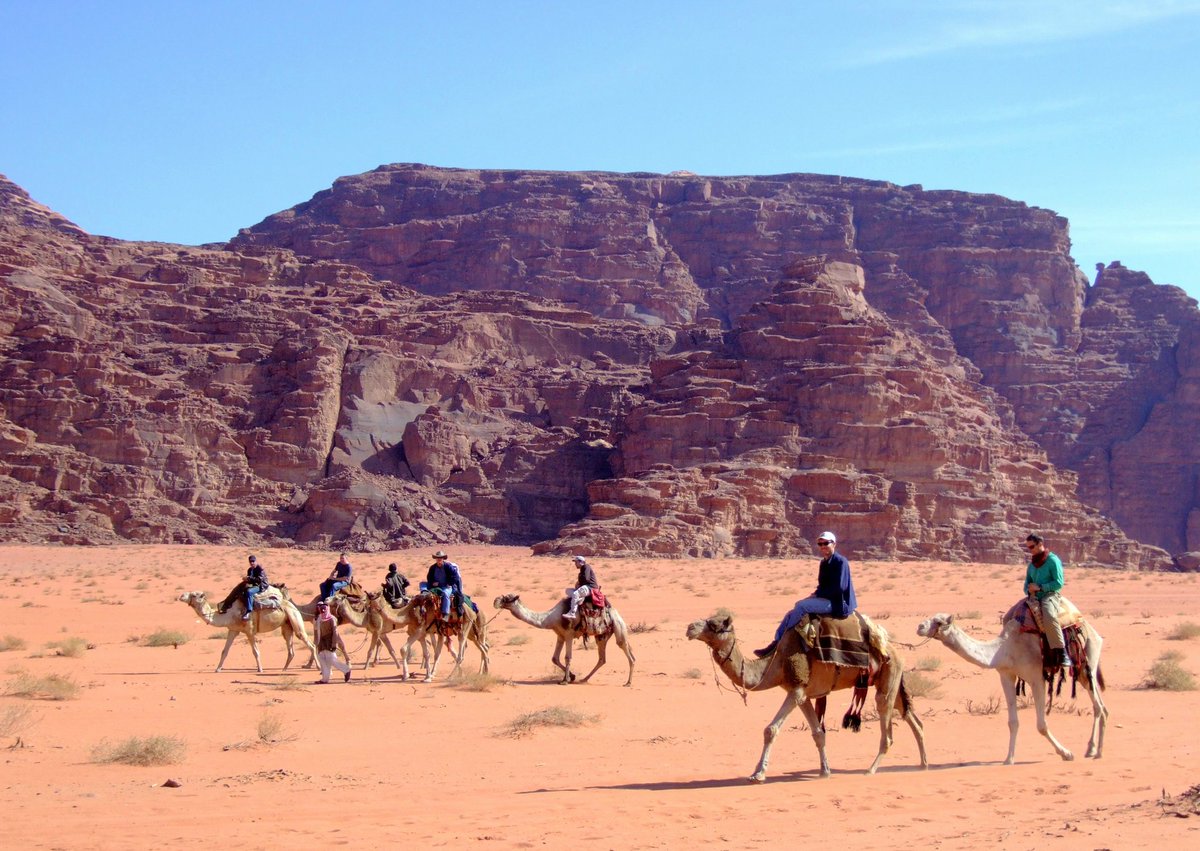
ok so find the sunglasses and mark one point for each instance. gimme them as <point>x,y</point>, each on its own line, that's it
<point>1031,546</point>
<point>824,543</point>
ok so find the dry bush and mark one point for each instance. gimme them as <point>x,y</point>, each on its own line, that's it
<point>271,730</point>
<point>73,647</point>
<point>165,638</point>
<point>920,685</point>
<point>473,682</point>
<point>692,674</point>
<point>517,640</point>
<point>1184,632</point>
<point>15,719</point>
<point>987,707</point>
<point>554,716</point>
<point>288,683</point>
<point>972,615</point>
<point>641,626</point>
<point>1166,674</point>
<point>52,687</point>
<point>12,642</point>
<point>152,750</point>
<point>928,663</point>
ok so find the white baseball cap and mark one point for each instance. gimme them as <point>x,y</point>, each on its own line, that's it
<point>827,536</point>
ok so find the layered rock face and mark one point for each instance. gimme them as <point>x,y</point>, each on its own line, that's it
<point>626,364</point>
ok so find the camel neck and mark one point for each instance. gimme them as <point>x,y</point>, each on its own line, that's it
<point>981,653</point>
<point>747,673</point>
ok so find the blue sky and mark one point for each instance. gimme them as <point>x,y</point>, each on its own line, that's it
<point>183,122</point>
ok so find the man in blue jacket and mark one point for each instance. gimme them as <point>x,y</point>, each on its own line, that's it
<point>444,576</point>
<point>834,595</point>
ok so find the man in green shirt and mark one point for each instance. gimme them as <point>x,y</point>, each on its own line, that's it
<point>1043,582</point>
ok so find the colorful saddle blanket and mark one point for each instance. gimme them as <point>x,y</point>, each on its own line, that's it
<point>1069,616</point>
<point>838,641</point>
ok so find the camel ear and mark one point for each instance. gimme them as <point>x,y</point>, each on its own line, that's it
<point>949,619</point>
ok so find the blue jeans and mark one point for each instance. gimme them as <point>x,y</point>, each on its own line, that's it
<point>250,593</point>
<point>447,594</point>
<point>331,586</point>
<point>807,606</point>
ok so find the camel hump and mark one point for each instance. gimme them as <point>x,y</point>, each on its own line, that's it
<point>841,641</point>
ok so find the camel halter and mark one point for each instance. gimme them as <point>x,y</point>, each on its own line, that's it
<point>741,690</point>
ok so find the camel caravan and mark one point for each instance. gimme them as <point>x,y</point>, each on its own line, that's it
<point>821,646</point>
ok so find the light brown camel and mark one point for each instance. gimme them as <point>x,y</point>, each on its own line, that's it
<point>364,614</point>
<point>285,618</point>
<point>1018,655</point>
<point>472,627</point>
<point>403,617</point>
<point>781,670</point>
<point>566,635</point>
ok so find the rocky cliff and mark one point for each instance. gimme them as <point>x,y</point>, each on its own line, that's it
<point>627,364</point>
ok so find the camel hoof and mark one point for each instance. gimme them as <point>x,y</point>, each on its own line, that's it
<point>758,777</point>
<point>1068,756</point>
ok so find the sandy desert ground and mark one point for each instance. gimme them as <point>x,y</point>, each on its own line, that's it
<point>662,764</point>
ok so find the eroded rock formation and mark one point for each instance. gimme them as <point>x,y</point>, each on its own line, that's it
<point>627,364</point>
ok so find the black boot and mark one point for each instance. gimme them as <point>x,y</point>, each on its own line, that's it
<point>766,651</point>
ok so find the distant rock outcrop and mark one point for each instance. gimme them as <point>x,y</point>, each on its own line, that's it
<point>624,364</point>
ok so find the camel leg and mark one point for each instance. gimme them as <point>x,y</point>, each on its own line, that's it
<point>885,702</point>
<point>1039,703</point>
<point>387,642</point>
<point>1008,683</point>
<point>416,635</point>
<point>558,647</point>
<point>601,653</point>
<point>772,731</point>
<point>568,677</point>
<point>623,643</point>
<point>439,642</point>
<point>914,723</point>
<point>230,636</point>
<point>1099,716</point>
<point>254,648</point>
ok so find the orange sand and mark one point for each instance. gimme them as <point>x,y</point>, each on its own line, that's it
<point>663,764</point>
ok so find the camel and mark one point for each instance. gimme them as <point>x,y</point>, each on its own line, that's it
<point>404,617</point>
<point>566,634</point>
<point>472,627</point>
<point>1018,655</point>
<point>805,679</point>
<point>285,618</point>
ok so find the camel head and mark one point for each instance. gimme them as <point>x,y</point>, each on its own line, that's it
<point>931,627</point>
<point>505,601</point>
<point>716,629</point>
<point>193,598</point>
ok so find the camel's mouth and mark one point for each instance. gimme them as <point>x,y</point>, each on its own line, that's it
<point>695,630</point>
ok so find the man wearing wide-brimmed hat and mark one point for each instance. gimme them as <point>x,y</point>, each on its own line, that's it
<point>444,576</point>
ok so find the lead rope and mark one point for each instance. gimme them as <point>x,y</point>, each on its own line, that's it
<point>741,690</point>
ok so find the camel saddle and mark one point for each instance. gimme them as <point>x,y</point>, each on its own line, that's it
<point>272,598</point>
<point>594,614</point>
<point>837,641</point>
<point>1069,616</point>
<point>427,600</point>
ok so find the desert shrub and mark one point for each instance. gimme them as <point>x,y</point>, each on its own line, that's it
<point>11,642</point>
<point>1184,631</point>
<point>928,663</point>
<point>987,707</point>
<point>1166,674</point>
<point>972,615</point>
<point>692,674</point>
<point>517,640</point>
<point>271,730</point>
<point>152,750</point>
<point>14,719</point>
<point>165,638</point>
<point>641,626</point>
<point>288,683</point>
<point>73,647</point>
<point>473,682</point>
<point>554,716</point>
<point>52,687</point>
<point>920,685</point>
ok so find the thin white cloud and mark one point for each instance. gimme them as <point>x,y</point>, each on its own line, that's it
<point>1008,23</point>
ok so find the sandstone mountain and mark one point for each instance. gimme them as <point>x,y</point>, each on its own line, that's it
<point>632,364</point>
